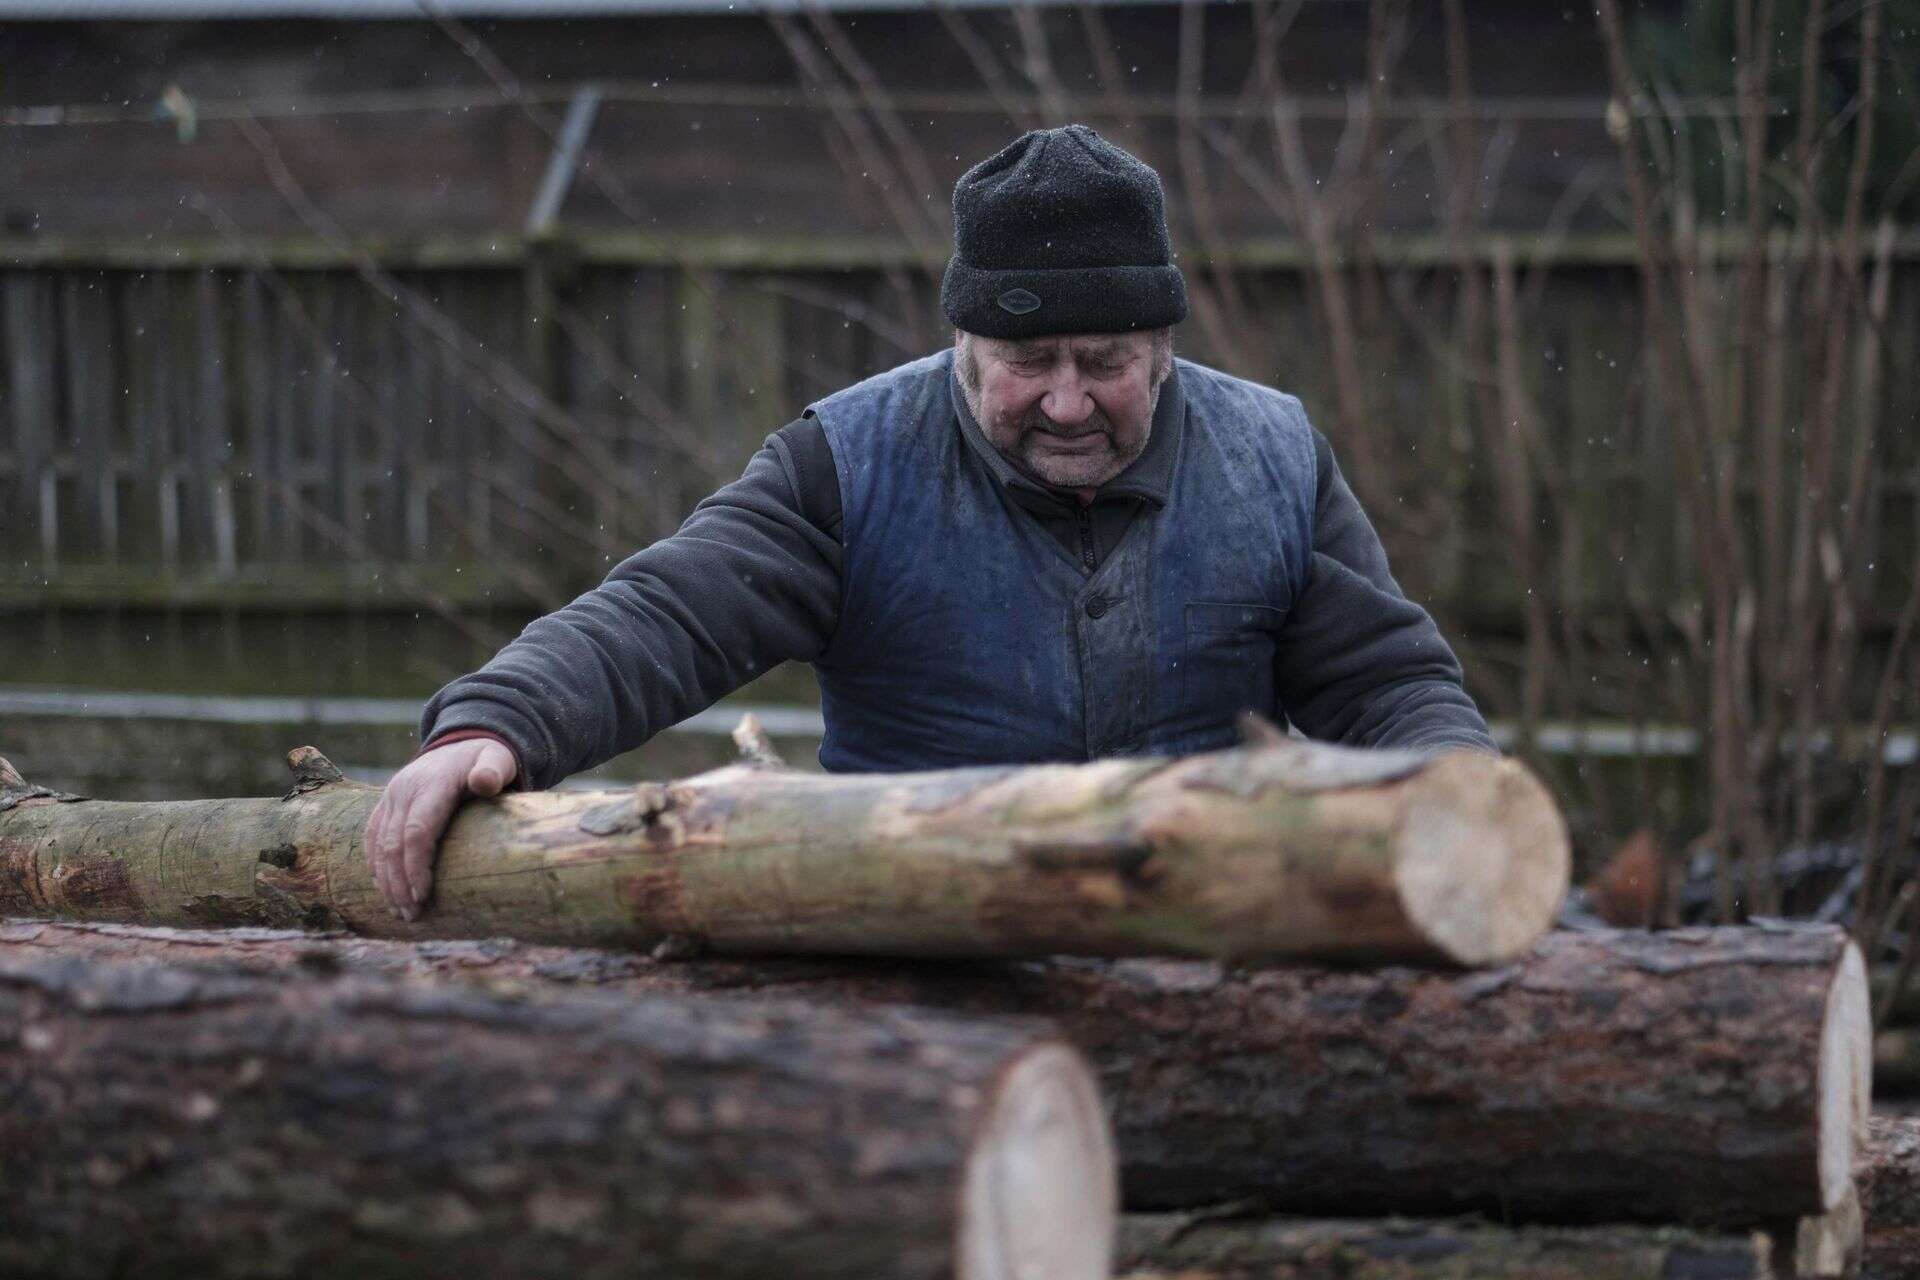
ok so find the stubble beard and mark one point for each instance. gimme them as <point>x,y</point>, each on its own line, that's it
<point>1070,471</point>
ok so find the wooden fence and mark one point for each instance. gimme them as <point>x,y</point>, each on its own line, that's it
<point>304,424</point>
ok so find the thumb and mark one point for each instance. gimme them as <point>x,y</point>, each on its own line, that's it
<point>492,770</point>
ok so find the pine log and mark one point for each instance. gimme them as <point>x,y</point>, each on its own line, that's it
<point>169,1120</point>
<point>1277,850</point>
<point>1177,1247</point>
<point>1233,1246</point>
<point>1701,1076</point>
<point>1888,1172</point>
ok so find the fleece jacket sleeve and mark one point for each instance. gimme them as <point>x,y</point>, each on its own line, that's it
<point>1357,662</point>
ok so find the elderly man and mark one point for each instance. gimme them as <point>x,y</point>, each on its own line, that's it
<point>1053,541</point>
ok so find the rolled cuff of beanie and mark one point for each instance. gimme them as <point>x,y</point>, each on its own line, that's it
<point>1071,299</point>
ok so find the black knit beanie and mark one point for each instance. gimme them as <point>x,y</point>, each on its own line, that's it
<point>1061,232</point>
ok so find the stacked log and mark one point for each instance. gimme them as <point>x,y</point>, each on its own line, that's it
<point>1896,1041</point>
<point>1235,1246</point>
<point>1175,1247</point>
<point>1889,1181</point>
<point>1704,1076</point>
<point>1280,849</point>
<point>1620,1103</point>
<point>166,1119</point>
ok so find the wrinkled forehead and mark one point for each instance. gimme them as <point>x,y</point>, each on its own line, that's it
<point>1094,347</point>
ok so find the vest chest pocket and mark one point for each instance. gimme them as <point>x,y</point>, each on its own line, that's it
<point>1227,666</point>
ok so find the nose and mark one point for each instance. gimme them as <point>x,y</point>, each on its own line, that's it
<point>1067,401</point>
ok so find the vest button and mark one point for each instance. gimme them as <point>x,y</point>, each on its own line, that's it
<point>1097,607</point>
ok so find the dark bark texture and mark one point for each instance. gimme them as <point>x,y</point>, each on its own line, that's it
<point>1607,1076</point>
<point>1174,1247</point>
<point>209,1121</point>
<point>1888,1171</point>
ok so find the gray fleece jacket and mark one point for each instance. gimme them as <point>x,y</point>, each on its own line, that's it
<point>754,578</point>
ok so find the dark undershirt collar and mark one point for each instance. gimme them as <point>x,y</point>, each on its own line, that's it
<point>1147,477</point>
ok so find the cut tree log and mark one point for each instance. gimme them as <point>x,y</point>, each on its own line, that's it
<point>215,1122</point>
<point>1280,850</point>
<point>1702,1076</point>
<point>1179,1247</point>
<point>1888,1172</point>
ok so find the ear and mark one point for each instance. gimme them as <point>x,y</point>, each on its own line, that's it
<point>1162,355</point>
<point>964,364</point>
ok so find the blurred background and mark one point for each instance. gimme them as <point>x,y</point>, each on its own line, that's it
<point>340,337</point>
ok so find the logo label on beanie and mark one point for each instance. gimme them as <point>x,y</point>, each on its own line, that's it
<point>1019,302</point>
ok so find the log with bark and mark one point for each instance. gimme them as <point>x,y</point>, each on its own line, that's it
<point>1282,849</point>
<point>1179,1247</point>
<point>1889,1178</point>
<point>1700,1076</point>
<point>217,1122</point>
<point>1230,1245</point>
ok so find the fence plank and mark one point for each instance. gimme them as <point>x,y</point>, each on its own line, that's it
<point>86,429</point>
<point>155,416</point>
<point>29,342</point>
<point>213,459</point>
<point>643,301</point>
<point>255,350</point>
<point>396,371</point>
<point>283,469</point>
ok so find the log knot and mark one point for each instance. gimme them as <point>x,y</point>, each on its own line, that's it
<point>311,771</point>
<point>1125,856</point>
<point>640,809</point>
<point>756,748</point>
<point>16,790</point>
<point>282,856</point>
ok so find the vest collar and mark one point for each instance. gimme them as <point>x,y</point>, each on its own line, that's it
<point>1147,477</point>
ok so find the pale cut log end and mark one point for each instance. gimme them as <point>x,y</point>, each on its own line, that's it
<point>756,748</point>
<point>1041,1196</point>
<point>1846,1075</point>
<point>1831,1244</point>
<point>1483,857</point>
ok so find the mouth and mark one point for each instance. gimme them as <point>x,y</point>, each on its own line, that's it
<point>1088,442</point>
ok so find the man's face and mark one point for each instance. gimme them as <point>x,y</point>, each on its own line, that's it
<point>1070,411</point>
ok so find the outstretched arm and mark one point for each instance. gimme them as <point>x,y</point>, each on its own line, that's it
<point>1358,662</point>
<point>752,578</point>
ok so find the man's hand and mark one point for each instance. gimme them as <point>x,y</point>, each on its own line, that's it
<point>404,829</point>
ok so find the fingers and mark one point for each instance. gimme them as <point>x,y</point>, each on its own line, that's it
<point>384,849</point>
<point>420,831</point>
<point>403,831</point>
<point>492,770</point>
<point>370,842</point>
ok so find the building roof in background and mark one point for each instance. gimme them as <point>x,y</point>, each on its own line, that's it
<point>187,10</point>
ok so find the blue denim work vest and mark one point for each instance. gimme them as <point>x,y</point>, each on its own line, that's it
<point>968,635</point>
